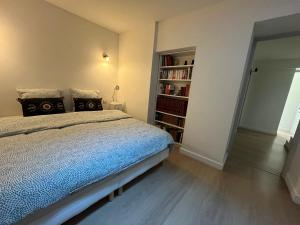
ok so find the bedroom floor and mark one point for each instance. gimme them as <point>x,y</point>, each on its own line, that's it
<point>186,192</point>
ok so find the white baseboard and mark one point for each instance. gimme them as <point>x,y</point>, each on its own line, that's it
<point>201,158</point>
<point>293,191</point>
<point>225,158</point>
<point>284,133</point>
<point>258,131</point>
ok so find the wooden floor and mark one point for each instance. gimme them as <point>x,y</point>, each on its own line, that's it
<point>186,192</point>
<point>258,150</point>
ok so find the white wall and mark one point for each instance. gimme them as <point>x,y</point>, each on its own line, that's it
<point>222,35</point>
<point>295,168</point>
<point>45,47</point>
<point>135,63</point>
<point>289,116</point>
<point>266,96</point>
<point>292,168</point>
<point>294,177</point>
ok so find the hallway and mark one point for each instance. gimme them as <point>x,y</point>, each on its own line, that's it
<point>260,151</point>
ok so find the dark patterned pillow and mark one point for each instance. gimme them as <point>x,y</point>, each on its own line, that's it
<point>42,106</point>
<point>88,104</point>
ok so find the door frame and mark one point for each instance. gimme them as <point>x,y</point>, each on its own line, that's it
<point>246,81</point>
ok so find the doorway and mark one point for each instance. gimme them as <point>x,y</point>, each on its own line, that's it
<point>269,115</point>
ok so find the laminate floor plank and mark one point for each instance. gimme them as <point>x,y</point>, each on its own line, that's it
<point>262,151</point>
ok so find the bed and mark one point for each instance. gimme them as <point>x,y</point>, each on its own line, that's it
<point>55,166</point>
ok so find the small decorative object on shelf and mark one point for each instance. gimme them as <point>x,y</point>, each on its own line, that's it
<point>116,106</point>
<point>174,81</point>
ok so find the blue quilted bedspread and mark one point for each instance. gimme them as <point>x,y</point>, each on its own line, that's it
<point>45,158</point>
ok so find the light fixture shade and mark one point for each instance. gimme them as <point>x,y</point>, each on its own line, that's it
<point>105,57</point>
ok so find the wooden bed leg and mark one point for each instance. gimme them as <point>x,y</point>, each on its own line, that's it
<point>120,190</point>
<point>111,196</point>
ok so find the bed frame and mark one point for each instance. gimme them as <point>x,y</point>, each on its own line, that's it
<point>77,202</point>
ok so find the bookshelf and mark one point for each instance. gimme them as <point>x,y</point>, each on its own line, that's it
<point>176,80</point>
<point>170,114</point>
<point>172,95</point>
<point>169,124</point>
<point>176,67</point>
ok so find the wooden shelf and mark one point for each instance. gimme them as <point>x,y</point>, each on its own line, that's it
<point>169,124</point>
<point>177,66</point>
<point>185,52</point>
<point>176,80</point>
<point>175,96</point>
<point>170,114</point>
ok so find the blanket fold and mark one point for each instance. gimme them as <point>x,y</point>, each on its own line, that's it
<point>24,125</point>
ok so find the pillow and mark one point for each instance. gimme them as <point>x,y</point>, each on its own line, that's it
<point>39,93</point>
<point>42,106</point>
<point>78,93</point>
<point>88,104</point>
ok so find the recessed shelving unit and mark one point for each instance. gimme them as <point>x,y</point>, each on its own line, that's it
<point>170,114</point>
<point>175,96</point>
<point>176,80</point>
<point>169,124</point>
<point>176,67</point>
<point>172,96</point>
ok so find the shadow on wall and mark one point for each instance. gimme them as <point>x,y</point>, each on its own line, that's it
<point>266,96</point>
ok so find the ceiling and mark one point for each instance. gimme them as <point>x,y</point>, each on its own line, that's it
<point>284,48</point>
<point>124,15</point>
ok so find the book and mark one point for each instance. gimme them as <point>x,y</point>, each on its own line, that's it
<point>187,90</point>
<point>167,60</point>
<point>176,74</point>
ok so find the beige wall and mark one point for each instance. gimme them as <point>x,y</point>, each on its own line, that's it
<point>221,34</point>
<point>135,63</point>
<point>45,47</point>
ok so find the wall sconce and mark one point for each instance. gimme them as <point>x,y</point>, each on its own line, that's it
<point>105,57</point>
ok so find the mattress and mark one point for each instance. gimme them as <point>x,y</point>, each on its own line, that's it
<point>46,158</point>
